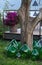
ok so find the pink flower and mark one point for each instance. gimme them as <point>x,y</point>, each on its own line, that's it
<point>11,19</point>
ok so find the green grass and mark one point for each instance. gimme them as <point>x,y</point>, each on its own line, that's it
<point>4,60</point>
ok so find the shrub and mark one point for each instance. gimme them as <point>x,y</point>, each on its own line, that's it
<point>11,19</point>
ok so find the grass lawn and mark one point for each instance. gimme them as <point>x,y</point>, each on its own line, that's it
<point>4,60</point>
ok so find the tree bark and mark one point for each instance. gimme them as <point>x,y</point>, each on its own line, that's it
<point>25,24</point>
<point>25,17</point>
<point>30,40</point>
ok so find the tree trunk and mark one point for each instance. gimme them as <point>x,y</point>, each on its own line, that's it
<point>24,13</point>
<point>30,40</point>
<point>13,29</point>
